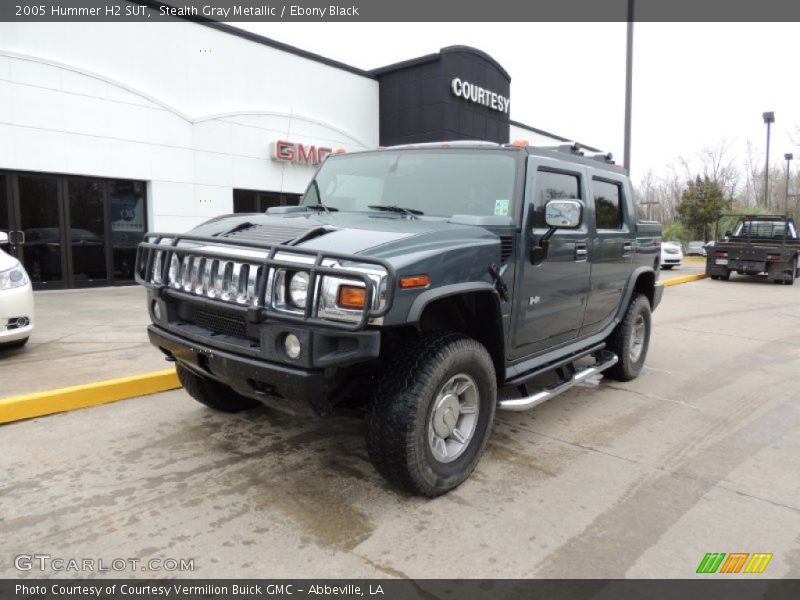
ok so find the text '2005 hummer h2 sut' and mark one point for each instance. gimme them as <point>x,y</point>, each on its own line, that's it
<point>412,283</point>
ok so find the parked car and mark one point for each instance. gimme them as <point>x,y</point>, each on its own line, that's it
<point>671,254</point>
<point>16,300</point>
<point>696,248</point>
<point>413,285</point>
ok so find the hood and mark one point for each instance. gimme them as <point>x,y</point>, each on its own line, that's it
<point>7,261</point>
<point>378,236</point>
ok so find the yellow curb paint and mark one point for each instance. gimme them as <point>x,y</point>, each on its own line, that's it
<point>683,279</point>
<point>37,404</point>
<point>694,259</point>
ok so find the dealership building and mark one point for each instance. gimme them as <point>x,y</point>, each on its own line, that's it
<point>108,131</point>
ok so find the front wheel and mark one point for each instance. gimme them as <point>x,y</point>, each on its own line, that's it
<point>630,340</point>
<point>432,413</point>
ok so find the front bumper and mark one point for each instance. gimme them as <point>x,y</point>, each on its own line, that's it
<point>15,304</point>
<point>294,390</point>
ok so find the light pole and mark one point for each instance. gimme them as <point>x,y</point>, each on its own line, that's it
<point>788,156</point>
<point>628,89</point>
<point>769,119</point>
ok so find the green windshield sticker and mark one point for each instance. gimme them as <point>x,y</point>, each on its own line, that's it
<point>501,208</point>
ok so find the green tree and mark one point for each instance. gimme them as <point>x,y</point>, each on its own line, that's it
<point>676,231</point>
<point>701,202</point>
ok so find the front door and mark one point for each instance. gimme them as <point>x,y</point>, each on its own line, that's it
<point>550,298</point>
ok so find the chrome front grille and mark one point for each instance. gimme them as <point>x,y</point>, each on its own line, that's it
<point>217,278</point>
<point>258,276</point>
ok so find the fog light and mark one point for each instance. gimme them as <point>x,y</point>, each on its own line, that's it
<point>156,310</point>
<point>291,344</point>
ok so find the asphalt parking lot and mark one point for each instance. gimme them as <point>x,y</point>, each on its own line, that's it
<point>700,454</point>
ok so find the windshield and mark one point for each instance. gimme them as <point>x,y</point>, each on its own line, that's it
<point>432,182</point>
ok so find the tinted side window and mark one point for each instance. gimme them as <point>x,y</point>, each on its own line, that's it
<point>607,204</point>
<point>550,186</point>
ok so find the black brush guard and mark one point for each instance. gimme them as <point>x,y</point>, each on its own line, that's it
<point>153,242</point>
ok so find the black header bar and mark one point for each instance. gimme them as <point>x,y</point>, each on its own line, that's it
<point>405,10</point>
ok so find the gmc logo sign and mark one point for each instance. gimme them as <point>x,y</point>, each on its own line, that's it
<point>298,153</point>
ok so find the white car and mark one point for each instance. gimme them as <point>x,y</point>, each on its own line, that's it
<point>671,254</point>
<point>16,300</point>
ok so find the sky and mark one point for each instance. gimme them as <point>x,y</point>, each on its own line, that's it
<point>695,85</point>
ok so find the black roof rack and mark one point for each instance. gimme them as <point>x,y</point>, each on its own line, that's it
<point>578,149</point>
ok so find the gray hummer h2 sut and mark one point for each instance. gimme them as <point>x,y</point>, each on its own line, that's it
<point>411,284</point>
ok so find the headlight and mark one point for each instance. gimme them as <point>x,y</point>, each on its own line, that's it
<point>13,277</point>
<point>290,291</point>
<point>298,289</point>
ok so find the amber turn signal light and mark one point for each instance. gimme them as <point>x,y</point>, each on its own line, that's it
<point>414,281</point>
<point>350,296</point>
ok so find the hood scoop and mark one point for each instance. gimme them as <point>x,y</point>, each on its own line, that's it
<point>275,234</point>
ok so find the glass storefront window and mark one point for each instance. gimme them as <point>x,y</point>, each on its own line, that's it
<point>128,224</point>
<point>87,232</point>
<point>78,231</point>
<point>254,201</point>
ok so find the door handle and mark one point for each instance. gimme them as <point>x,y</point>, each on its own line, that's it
<point>627,248</point>
<point>581,252</point>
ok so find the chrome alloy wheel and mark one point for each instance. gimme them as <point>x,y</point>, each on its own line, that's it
<point>454,418</point>
<point>638,332</point>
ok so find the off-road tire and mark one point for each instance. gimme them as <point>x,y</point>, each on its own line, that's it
<point>212,393</point>
<point>621,340</point>
<point>399,414</point>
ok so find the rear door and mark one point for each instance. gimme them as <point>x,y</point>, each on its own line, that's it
<point>612,244</point>
<point>550,298</point>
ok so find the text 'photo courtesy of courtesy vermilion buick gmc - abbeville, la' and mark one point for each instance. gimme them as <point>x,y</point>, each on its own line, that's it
<point>422,287</point>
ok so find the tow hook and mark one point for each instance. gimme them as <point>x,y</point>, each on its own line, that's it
<point>499,284</point>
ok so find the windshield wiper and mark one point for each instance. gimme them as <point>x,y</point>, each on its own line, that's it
<point>321,207</point>
<point>411,212</point>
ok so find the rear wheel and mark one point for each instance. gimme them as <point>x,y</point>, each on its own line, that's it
<point>789,279</point>
<point>630,340</point>
<point>212,393</point>
<point>432,413</point>
<point>726,276</point>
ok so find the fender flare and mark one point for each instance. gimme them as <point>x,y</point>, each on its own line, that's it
<point>453,289</point>
<point>631,286</point>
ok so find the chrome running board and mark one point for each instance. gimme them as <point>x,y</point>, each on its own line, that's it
<point>605,360</point>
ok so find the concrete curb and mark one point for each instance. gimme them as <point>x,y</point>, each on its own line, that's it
<point>683,279</point>
<point>37,404</point>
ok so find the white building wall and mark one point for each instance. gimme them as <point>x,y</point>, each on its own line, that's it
<point>190,109</point>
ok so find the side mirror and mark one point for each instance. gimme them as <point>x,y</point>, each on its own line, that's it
<point>558,214</point>
<point>566,214</point>
<point>3,237</point>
